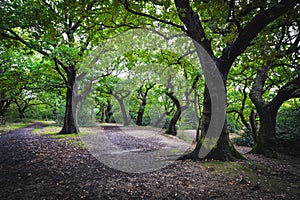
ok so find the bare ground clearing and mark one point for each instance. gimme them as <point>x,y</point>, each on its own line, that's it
<point>34,166</point>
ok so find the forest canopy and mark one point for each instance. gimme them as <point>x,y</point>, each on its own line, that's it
<point>55,55</point>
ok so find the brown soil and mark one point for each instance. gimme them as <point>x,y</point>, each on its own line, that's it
<point>39,167</point>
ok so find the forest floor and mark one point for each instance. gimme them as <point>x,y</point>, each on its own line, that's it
<point>37,166</point>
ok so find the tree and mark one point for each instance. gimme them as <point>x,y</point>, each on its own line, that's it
<point>62,31</point>
<point>269,92</point>
<point>267,111</point>
<point>104,106</point>
<point>142,95</point>
<point>237,24</point>
<point>272,66</point>
<point>180,107</point>
<point>24,79</point>
<point>5,100</point>
<point>117,88</point>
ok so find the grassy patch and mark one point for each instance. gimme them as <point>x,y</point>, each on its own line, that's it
<point>52,132</point>
<point>229,169</point>
<point>45,123</point>
<point>237,173</point>
<point>12,126</point>
<point>49,130</point>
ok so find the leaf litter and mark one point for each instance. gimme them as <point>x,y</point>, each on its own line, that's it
<point>36,166</point>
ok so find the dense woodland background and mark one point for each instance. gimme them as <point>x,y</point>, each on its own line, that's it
<point>254,44</point>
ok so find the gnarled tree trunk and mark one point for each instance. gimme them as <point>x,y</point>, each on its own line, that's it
<point>266,141</point>
<point>143,98</point>
<point>172,130</point>
<point>267,111</point>
<point>223,150</point>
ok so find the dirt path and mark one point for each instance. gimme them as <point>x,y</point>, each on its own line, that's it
<point>38,167</point>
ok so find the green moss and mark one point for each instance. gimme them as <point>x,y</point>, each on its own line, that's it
<point>36,130</point>
<point>237,173</point>
<point>60,136</point>
<point>52,132</point>
<point>230,169</point>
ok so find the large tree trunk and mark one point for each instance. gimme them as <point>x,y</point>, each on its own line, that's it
<point>70,120</point>
<point>139,120</point>
<point>267,111</point>
<point>223,150</point>
<point>266,141</point>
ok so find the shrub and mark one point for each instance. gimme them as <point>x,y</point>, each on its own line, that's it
<point>245,139</point>
<point>288,130</point>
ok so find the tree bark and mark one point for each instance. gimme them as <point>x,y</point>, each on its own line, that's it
<point>139,120</point>
<point>102,112</point>
<point>21,113</point>
<point>223,150</point>
<point>143,98</point>
<point>266,142</point>
<point>4,102</point>
<point>70,125</point>
<point>267,111</point>
<point>108,113</point>
<point>172,130</point>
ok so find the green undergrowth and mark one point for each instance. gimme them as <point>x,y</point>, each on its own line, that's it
<point>229,169</point>
<point>52,132</point>
<point>257,177</point>
<point>17,123</point>
<point>9,126</point>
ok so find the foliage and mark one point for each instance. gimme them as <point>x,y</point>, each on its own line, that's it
<point>233,124</point>
<point>288,130</point>
<point>9,126</point>
<point>63,32</point>
<point>244,140</point>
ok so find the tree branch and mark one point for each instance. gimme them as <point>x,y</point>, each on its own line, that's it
<point>59,71</point>
<point>192,22</point>
<point>260,21</point>
<point>286,92</point>
<point>258,86</point>
<point>126,5</point>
